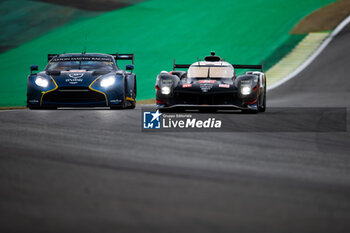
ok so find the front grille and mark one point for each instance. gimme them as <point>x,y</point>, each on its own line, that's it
<point>73,95</point>
<point>205,99</point>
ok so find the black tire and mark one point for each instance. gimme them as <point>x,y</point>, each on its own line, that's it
<point>263,107</point>
<point>132,105</point>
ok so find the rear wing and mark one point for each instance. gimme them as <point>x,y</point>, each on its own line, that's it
<point>250,67</point>
<point>180,66</point>
<point>236,66</point>
<point>123,56</point>
<point>50,56</point>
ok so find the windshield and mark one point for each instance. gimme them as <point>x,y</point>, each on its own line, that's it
<point>205,71</point>
<point>80,63</point>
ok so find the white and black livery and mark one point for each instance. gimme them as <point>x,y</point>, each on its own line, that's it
<point>212,84</point>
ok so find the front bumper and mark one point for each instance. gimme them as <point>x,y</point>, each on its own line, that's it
<point>213,100</point>
<point>74,96</point>
<point>208,107</point>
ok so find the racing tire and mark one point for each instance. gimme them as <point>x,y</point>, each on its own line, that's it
<point>132,105</point>
<point>263,107</point>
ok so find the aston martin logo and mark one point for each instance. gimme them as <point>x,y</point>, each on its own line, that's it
<point>76,75</point>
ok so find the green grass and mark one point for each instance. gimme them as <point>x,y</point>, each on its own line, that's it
<point>158,31</point>
<point>24,20</point>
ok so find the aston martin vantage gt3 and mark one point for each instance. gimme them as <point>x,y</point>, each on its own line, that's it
<point>82,80</point>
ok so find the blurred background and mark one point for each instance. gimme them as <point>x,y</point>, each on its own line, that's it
<point>157,31</point>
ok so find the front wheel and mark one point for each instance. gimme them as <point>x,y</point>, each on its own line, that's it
<point>132,105</point>
<point>262,108</point>
<point>253,111</point>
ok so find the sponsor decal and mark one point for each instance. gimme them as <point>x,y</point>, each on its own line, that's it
<point>206,81</point>
<point>186,85</point>
<point>33,101</point>
<point>90,58</point>
<point>76,75</point>
<point>115,101</point>
<point>205,87</point>
<point>77,71</point>
<point>74,80</point>
<point>224,85</point>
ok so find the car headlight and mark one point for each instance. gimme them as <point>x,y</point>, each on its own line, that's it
<point>165,90</point>
<point>41,82</point>
<point>107,82</point>
<point>245,90</point>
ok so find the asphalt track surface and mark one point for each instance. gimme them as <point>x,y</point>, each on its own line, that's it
<point>95,171</point>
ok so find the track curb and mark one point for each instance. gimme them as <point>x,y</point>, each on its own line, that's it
<point>312,56</point>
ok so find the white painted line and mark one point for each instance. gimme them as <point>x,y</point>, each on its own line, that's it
<point>338,29</point>
<point>11,110</point>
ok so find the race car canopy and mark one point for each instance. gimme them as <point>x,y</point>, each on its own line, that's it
<point>200,70</point>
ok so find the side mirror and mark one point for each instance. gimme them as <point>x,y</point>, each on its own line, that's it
<point>129,67</point>
<point>33,68</point>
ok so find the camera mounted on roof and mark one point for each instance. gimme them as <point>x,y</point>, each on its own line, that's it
<point>212,58</point>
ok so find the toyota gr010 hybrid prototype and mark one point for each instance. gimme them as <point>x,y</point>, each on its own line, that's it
<point>83,80</point>
<point>212,84</point>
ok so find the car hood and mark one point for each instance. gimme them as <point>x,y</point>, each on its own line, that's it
<point>77,78</point>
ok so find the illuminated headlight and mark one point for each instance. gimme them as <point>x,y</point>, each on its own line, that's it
<point>107,82</point>
<point>165,90</point>
<point>245,90</point>
<point>41,82</point>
